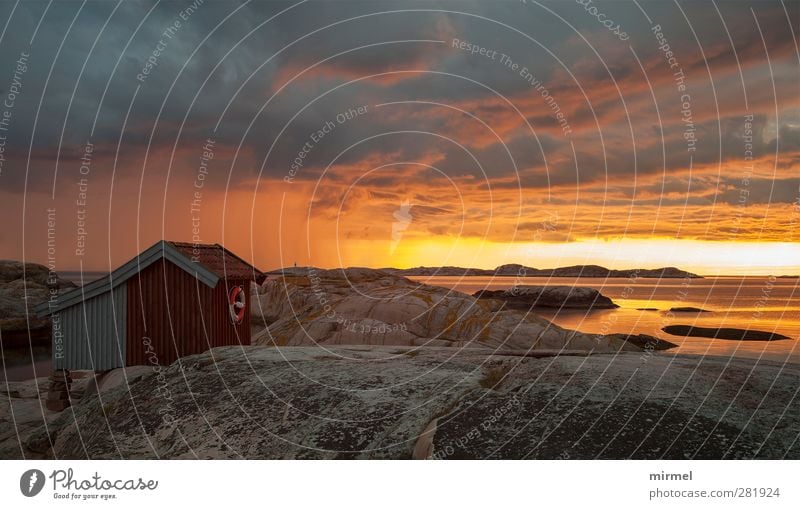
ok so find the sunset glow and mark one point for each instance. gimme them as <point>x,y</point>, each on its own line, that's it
<point>701,257</point>
<point>546,147</point>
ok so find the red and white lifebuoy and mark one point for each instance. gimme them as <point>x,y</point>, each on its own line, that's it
<point>236,304</point>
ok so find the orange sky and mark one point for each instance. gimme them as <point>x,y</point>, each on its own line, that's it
<point>271,226</point>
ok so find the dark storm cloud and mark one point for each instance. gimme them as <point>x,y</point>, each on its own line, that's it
<point>226,67</point>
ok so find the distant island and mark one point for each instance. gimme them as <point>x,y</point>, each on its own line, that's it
<point>523,271</point>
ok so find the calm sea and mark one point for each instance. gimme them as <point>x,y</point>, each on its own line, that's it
<point>751,302</point>
<point>81,278</point>
<point>757,303</point>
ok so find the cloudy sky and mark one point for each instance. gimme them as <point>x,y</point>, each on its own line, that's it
<point>404,133</point>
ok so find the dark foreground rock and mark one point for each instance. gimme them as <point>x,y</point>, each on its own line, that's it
<point>389,402</point>
<point>563,297</point>
<point>723,333</point>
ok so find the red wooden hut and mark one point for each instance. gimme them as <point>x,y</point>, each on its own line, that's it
<point>172,300</point>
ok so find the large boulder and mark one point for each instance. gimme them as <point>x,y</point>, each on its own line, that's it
<point>12,270</point>
<point>18,298</point>
<point>370,307</point>
<point>23,286</point>
<point>19,295</point>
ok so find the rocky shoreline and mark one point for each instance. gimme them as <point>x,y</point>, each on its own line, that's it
<point>360,363</point>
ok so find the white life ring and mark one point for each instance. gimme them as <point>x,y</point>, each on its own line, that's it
<point>236,304</point>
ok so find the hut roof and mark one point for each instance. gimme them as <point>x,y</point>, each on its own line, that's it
<point>218,260</point>
<point>207,262</point>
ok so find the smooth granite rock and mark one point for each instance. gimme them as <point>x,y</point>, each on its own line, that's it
<point>390,402</point>
<point>370,307</point>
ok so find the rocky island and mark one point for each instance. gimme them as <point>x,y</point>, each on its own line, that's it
<point>594,271</point>
<point>723,333</point>
<point>562,297</point>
